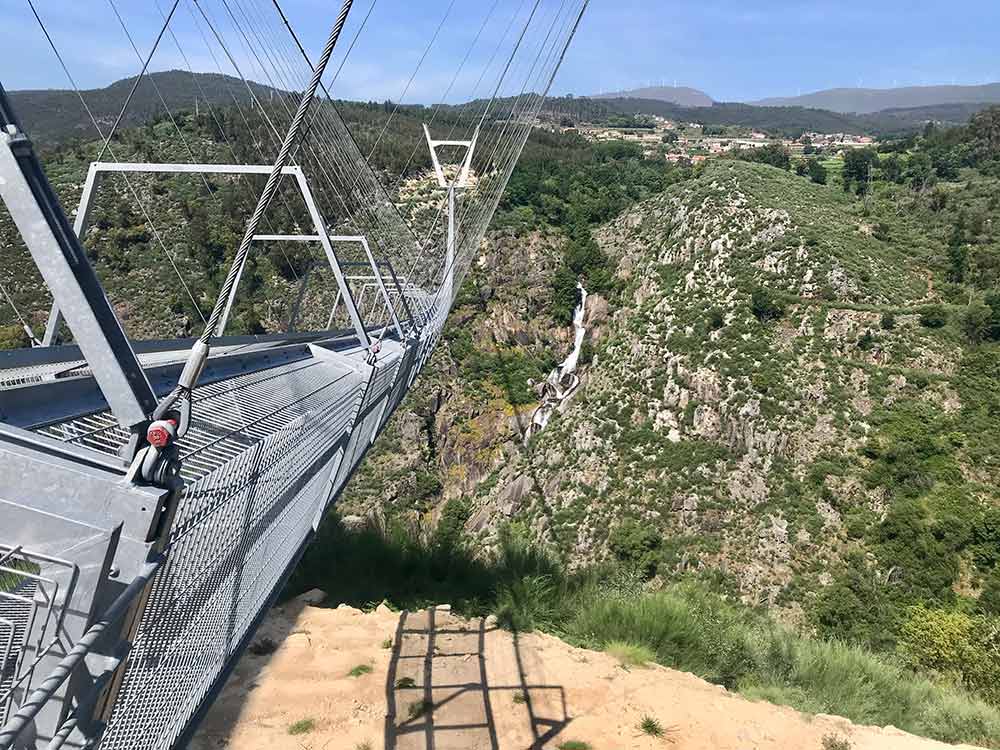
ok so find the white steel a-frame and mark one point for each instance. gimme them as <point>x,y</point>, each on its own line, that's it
<point>322,236</point>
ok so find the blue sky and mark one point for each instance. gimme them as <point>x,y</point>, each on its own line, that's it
<point>732,50</point>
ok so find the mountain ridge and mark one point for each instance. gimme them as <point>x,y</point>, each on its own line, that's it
<point>684,96</point>
<point>872,100</point>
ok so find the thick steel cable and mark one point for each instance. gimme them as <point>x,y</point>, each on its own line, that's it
<point>24,323</point>
<point>362,167</point>
<point>241,179</point>
<point>276,138</point>
<point>138,80</point>
<point>199,353</point>
<point>239,261</point>
<point>239,107</point>
<point>286,80</point>
<point>333,156</point>
<point>128,182</point>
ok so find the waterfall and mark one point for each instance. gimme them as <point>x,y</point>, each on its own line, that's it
<point>563,381</point>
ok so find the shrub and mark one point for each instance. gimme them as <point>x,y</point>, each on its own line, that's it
<point>716,319</point>
<point>765,305</point>
<point>302,726</point>
<point>934,316</point>
<point>834,742</point>
<point>651,726</point>
<point>419,708</point>
<point>263,646</point>
<point>957,645</point>
<point>360,670</point>
<point>888,321</point>
<point>13,337</point>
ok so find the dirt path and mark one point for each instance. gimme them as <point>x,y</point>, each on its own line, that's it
<point>437,682</point>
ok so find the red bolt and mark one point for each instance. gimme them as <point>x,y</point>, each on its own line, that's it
<point>160,433</point>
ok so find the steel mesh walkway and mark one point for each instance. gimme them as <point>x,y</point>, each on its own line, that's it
<point>253,497</point>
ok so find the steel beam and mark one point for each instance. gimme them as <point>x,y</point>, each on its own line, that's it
<point>87,198</point>
<point>363,241</point>
<point>63,264</point>
<point>338,273</point>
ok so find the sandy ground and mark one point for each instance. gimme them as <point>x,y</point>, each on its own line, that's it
<point>439,682</point>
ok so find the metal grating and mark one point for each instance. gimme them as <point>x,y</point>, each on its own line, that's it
<point>259,465</point>
<point>31,609</point>
<point>17,612</point>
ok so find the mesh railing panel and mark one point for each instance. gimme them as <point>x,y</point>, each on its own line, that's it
<point>259,473</point>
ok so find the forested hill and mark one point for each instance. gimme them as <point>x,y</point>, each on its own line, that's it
<point>785,120</point>
<point>52,116</point>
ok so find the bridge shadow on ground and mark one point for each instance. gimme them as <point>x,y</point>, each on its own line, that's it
<point>456,684</point>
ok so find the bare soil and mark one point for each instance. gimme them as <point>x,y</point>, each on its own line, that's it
<point>439,682</point>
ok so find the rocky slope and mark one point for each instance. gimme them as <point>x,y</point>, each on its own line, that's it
<point>762,339</point>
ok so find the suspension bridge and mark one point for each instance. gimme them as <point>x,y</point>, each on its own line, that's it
<point>155,493</point>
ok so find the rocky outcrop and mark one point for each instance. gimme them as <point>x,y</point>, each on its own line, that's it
<point>744,353</point>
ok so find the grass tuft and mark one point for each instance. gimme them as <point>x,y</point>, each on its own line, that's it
<point>630,654</point>
<point>406,682</point>
<point>520,697</point>
<point>387,643</point>
<point>833,742</point>
<point>360,670</point>
<point>302,726</point>
<point>651,726</point>
<point>574,745</point>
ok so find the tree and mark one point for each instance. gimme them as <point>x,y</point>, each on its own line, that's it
<point>920,172</point>
<point>858,164</point>
<point>984,133</point>
<point>637,545</point>
<point>817,172</point>
<point>774,154</point>
<point>765,305</point>
<point>989,599</point>
<point>977,320</point>
<point>892,168</point>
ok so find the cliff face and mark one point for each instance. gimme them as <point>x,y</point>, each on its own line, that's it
<point>762,337</point>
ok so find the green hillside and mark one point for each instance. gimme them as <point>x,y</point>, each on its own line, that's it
<point>790,391</point>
